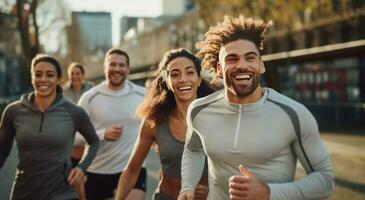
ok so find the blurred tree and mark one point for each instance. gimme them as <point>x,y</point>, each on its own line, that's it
<point>35,18</point>
<point>286,14</point>
<point>28,28</point>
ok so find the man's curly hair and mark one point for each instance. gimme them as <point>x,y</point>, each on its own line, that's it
<point>229,30</point>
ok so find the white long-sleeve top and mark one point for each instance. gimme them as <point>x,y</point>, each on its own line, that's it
<point>262,137</point>
<point>107,108</point>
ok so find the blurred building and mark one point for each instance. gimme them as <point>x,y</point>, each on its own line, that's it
<point>90,36</point>
<point>320,61</point>
<point>176,7</point>
<point>11,71</point>
<point>322,64</point>
<point>149,38</point>
<point>171,9</point>
<point>11,85</point>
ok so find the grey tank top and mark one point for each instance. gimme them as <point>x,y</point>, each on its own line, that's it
<point>170,151</point>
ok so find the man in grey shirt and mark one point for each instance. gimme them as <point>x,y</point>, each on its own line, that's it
<point>252,136</point>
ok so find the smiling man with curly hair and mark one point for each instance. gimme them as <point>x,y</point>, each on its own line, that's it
<point>252,135</point>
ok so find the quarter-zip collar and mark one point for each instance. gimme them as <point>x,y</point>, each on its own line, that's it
<point>28,101</point>
<point>239,110</point>
<point>248,106</point>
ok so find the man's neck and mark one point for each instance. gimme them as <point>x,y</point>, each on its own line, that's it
<point>115,87</point>
<point>252,98</point>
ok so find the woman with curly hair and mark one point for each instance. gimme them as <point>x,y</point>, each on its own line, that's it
<point>177,84</point>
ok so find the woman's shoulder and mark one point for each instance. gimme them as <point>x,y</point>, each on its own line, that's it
<point>12,108</point>
<point>147,128</point>
<point>73,109</point>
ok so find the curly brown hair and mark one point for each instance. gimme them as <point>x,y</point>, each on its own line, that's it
<point>160,100</point>
<point>229,30</point>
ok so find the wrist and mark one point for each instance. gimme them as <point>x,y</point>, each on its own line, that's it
<point>267,192</point>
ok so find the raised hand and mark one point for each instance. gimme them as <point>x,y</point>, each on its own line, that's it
<point>186,195</point>
<point>113,133</point>
<point>201,192</point>
<point>76,176</point>
<point>247,187</point>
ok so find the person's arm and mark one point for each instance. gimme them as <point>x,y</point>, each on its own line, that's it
<point>87,130</point>
<point>84,104</point>
<point>192,164</point>
<point>7,133</point>
<point>319,182</point>
<point>131,172</point>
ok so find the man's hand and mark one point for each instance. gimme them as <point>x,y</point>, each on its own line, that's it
<point>113,133</point>
<point>186,195</point>
<point>201,192</point>
<point>76,177</point>
<point>247,187</point>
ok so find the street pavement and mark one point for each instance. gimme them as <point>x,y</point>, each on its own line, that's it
<point>347,152</point>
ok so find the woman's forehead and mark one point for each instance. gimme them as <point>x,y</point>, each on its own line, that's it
<point>180,63</point>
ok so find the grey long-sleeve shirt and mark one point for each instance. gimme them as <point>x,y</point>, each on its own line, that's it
<point>44,141</point>
<point>262,137</point>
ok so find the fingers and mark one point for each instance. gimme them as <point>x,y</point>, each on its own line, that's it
<point>118,128</point>
<point>237,190</point>
<point>237,185</point>
<point>190,196</point>
<point>247,186</point>
<point>76,176</point>
<point>237,196</point>
<point>244,171</point>
<point>239,179</point>
<point>186,195</point>
<point>201,192</point>
<point>114,133</point>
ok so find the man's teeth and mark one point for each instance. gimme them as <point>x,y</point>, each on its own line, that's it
<point>242,76</point>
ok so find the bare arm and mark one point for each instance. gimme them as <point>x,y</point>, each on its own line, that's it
<point>130,174</point>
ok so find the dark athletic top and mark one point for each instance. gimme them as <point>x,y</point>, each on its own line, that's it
<point>44,141</point>
<point>170,151</point>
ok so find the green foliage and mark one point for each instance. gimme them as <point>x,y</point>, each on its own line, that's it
<point>286,14</point>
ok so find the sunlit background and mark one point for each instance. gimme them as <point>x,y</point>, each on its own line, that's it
<point>314,53</point>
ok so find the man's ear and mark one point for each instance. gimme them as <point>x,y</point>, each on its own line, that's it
<point>262,67</point>
<point>219,70</point>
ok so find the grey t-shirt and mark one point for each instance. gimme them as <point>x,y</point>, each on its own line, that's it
<point>72,96</point>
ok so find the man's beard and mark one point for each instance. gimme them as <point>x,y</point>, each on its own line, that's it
<point>242,91</point>
<point>117,83</point>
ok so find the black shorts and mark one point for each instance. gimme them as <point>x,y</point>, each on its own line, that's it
<point>101,186</point>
